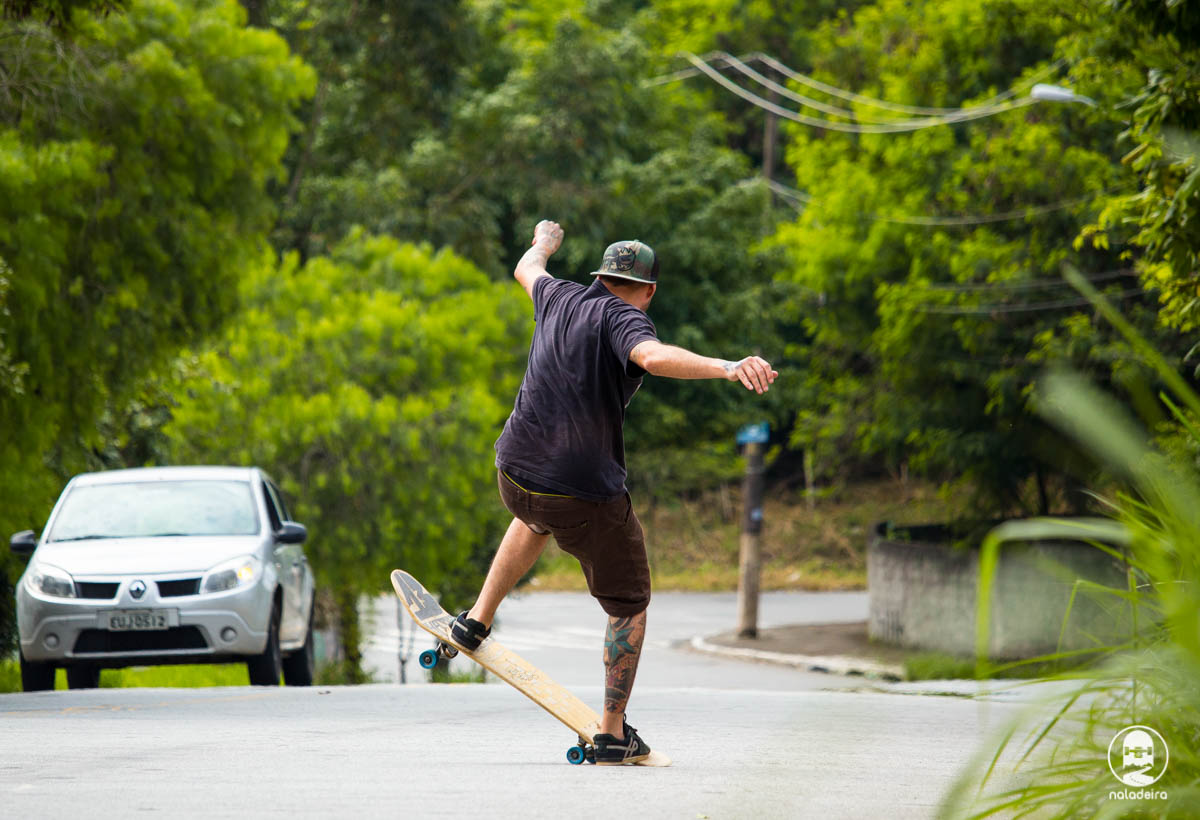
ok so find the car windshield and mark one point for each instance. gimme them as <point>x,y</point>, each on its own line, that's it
<point>156,508</point>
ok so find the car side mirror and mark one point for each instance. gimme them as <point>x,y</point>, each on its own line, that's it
<point>23,543</point>
<point>292,533</point>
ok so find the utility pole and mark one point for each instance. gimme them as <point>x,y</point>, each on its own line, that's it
<point>754,438</point>
<point>770,130</point>
<point>810,491</point>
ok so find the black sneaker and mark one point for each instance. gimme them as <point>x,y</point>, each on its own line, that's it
<point>468,632</point>
<point>613,752</point>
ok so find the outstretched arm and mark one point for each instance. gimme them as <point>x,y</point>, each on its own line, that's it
<point>547,237</point>
<point>673,362</point>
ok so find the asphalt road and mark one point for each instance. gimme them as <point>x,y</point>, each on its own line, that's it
<point>748,740</point>
<point>469,750</point>
<point>562,634</point>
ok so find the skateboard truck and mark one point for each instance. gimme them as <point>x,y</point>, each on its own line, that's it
<point>584,751</point>
<point>429,658</point>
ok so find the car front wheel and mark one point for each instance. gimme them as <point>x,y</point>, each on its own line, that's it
<point>298,667</point>
<point>265,669</point>
<point>83,677</point>
<point>36,676</point>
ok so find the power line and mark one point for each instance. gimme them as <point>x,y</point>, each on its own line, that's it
<point>813,83</point>
<point>985,219</point>
<point>841,93</point>
<point>993,287</point>
<point>834,110</point>
<point>823,299</point>
<point>789,193</point>
<point>945,221</point>
<point>988,310</point>
<point>852,128</point>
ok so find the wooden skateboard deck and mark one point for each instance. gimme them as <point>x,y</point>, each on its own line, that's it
<point>509,667</point>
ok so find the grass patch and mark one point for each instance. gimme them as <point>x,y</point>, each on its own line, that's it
<point>10,676</point>
<point>442,674</point>
<point>693,543</point>
<point>183,676</point>
<point>187,676</point>
<point>939,666</point>
<point>340,673</point>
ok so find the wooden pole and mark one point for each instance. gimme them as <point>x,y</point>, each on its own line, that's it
<point>750,561</point>
<point>810,491</point>
<point>770,130</point>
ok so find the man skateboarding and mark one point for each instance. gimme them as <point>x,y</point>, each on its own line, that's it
<point>561,457</point>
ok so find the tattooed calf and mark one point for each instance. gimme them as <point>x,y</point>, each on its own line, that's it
<point>622,648</point>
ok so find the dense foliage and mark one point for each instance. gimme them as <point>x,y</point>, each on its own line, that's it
<point>933,258</point>
<point>908,285</point>
<point>1159,44</point>
<point>57,13</point>
<point>505,138</point>
<point>135,157</point>
<point>371,381</point>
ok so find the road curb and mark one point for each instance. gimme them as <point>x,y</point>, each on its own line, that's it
<point>833,664</point>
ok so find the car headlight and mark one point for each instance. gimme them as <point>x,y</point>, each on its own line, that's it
<point>232,574</point>
<point>50,580</point>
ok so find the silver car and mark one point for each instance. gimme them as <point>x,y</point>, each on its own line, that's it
<point>166,565</point>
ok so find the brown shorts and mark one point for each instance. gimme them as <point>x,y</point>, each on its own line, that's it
<point>606,537</point>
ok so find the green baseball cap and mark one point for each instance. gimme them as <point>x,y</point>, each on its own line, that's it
<point>630,259</point>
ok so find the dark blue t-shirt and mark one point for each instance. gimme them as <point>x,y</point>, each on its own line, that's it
<point>565,431</point>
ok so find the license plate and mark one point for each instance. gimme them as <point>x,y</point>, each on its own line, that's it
<point>138,620</point>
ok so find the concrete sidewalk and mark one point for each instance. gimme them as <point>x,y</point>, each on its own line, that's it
<point>840,649</point>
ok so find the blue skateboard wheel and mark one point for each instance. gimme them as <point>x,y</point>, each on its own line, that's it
<point>428,659</point>
<point>576,755</point>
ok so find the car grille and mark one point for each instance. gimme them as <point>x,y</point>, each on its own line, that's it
<point>90,589</point>
<point>97,641</point>
<point>175,589</point>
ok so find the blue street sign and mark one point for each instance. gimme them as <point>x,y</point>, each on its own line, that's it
<point>754,433</point>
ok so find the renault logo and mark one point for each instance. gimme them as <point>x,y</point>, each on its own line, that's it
<point>137,589</point>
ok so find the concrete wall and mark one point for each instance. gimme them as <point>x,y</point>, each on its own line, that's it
<point>923,595</point>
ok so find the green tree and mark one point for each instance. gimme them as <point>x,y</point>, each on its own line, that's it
<point>624,160</point>
<point>783,30</point>
<point>1155,49</point>
<point>514,141</point>
<point>387,73</point>
<point>933,258</point>
<point>136,157</point>
<point>57,13</point>
<point>372,384</point>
